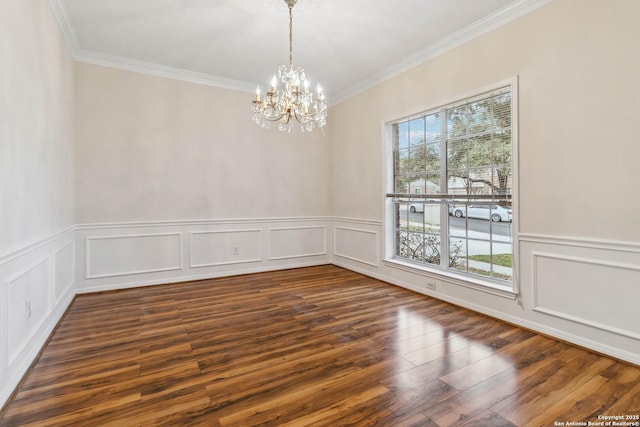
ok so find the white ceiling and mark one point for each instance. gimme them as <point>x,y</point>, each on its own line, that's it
<point>346,45</point>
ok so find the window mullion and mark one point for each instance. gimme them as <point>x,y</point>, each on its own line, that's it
<point>444,184</point>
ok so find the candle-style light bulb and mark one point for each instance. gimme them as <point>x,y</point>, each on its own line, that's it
<point>274,81</point>
<point>257,93</point>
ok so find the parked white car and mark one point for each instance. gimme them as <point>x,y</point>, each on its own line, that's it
<point>495,213</point>
<point>416,207</point>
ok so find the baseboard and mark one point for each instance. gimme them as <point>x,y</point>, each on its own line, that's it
<point>195,277</point>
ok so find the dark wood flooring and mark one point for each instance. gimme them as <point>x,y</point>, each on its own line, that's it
<point>319,346</point>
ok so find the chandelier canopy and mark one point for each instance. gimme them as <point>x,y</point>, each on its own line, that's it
<point>293,100</point>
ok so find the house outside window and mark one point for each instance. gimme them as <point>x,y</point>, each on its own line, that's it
<point>452,186</point>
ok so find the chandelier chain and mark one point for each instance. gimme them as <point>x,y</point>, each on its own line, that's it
<point>290,36</point>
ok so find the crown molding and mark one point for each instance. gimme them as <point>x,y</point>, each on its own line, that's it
<point>113,61</point>
<point>60,13</point>
<point>158,70</point>
<point>489,23</point>
<point>501,17</point>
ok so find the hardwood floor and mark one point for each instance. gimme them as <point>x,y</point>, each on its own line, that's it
<point>318,346</point>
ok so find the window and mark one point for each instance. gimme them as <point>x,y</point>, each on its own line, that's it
<point>452,188</point>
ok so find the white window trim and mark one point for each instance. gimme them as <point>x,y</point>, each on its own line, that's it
<point>388,206</point>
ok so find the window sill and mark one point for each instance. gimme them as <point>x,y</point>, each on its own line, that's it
<point>455,279</point>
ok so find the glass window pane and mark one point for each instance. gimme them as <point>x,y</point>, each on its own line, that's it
<point>433,157</point>
<point>481,180</point>
<point>411,245</point>
<point>479,256</point>
<point>417,160</point>
<point>432,128</point>
<point>500,213</point>
<point>403,135</point>
<point>502,261</point>
<point>416,132</point>
<point>432,183</point>
<point>403,216</point>
<point>501,232</point>
<point>457,121</point>
<point>457,154</point>
<point>432,218</point>
<point>479,116</point>
<point>502,163</point>
<point>416,186</point>
<point>432,249</point>
<point>458,254</point>
<point>457,221</point>
<point>400,242</point>
<point>501,149</point>
<point>401,170</point>
<point>457,183</point>
<point>502,110</point>
<point>480,151</point>
<point>401,184</point>
<point>403,153</point>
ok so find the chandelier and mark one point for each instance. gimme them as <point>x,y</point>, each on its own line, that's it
<point>293,99</point>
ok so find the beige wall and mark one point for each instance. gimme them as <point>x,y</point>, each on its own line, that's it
<point>36,125</point>
<point>37,206</point>
<point>578,77</point>
<point>150,149</point>
<point>577,227</point>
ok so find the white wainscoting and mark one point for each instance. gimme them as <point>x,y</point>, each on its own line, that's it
<point>356,244</point>
<point>579,290</point>
<point>28,304</point>
<point>588,286</point>
<point>123,255</point>
<point>36,287</point>
<point>111,256</point>
<point>297,242</point>
<point>582,290</point>
<point>223,247</point>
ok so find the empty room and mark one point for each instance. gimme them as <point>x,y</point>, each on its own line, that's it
<point>319,213</point>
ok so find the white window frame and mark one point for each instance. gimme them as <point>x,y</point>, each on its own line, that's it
<point>445,275</point>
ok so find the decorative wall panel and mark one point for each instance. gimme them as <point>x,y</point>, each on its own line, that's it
<point>589,291</point>
<point>221,247</point>
<point>28,299</point>
<point>110,256</point>
<point>356,244</point>
<point>295,242</point>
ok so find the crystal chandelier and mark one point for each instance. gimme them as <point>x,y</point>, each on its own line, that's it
<point>294,100</point>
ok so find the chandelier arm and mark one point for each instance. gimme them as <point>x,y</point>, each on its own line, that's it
<point>274,118</point>
<point>305,118</point>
